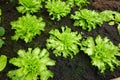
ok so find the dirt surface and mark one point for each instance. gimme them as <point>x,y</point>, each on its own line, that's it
<point>78,68</point>
<point>106,4</point>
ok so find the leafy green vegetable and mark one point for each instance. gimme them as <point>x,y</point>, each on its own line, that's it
<point>107,15</point>
<point>118,29</point>
<point>2,32</point>
<point>64,43</point>
<point>112,17</point>
<point>102,53</point>
<point>117,21</point>
<point>79,3</point>
<point>1,43</point>
<point>31,64</point>
<point>87,19</point>
<point>57,9</point>
<point>29,6</point>
<point>27,27</point>
<point>3,62</point>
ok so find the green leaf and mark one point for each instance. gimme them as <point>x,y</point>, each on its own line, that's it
<point>0,12</point>
<point>78,3</point>
<point>2,31</point>
<point>1,43</point>
<point>3,62</point>
<point>118,29</point>
<point>107,15</point>
<point>47,73</point>
<point>111,23</point>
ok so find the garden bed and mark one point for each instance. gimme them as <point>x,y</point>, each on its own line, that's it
<point>77,68</point>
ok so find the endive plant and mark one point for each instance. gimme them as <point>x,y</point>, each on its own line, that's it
<point>87,19</point>
<point>57,9</point>
<point>102,53</point>
<point>78,3</point>
<point>27,27</point>
<point>64,43</point>
<point>29,6</point>
<point>31,64</point>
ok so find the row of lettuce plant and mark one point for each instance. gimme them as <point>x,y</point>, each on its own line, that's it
<point>56,8</point>
<point>33,63</point>
<point>101,51</point>
<point>87,19</point>
<point>90,19</point>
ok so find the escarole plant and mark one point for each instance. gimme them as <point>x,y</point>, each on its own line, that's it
<point>87,19</point>
<point>29,6</point>
<point>102,53</point>
<point>78,3</point>
<point>57,9</point>
<point>64,43</point>
<point>112,17</point>
<point>27,27</point>
<point>31,64</point>
<point>107,15</point>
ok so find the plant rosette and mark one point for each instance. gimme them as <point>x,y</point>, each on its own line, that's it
<point>31,64</point>
<point>87,19</point>
<point>27,27</point>
<point>57,9</point>
<point>64,43</point>
<point>78,3</point>
<point>102,53</point>
<point>29,6</point>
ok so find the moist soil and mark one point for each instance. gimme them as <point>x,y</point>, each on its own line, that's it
<point>78,68</point>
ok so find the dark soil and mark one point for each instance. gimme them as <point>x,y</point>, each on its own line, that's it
<point>106,4</point>
<point>78,68</point>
